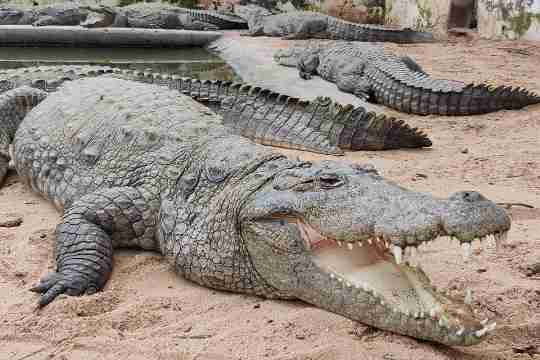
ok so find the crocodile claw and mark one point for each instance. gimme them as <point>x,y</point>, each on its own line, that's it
<point>54,284</point>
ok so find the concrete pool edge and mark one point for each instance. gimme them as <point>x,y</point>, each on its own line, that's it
<point>77,36</point>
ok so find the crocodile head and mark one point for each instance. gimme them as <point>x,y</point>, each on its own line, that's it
<point>336,236</point>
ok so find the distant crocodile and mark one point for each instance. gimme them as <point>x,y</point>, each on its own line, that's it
<point>398,82</point>
<point>140,15</point>
<point>261,115</point>
<point>57,14</point>
<point>308,24</point>
<point>158,15</point>
<point>137,165</point>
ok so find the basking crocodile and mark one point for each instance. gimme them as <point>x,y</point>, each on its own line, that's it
<point>398,82</point>
<point>159,15</point>
<point>141,15</point>
<point>261,115</point>
<point>307,24</point>
<point>137,165</point>
<point>56,14</point>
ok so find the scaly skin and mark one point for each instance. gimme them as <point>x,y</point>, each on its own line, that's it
<point>261,115</point>
<point>398,82</point>
<point>136,165</point>
<point>307,24</point>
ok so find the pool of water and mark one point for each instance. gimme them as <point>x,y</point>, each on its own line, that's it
<point>190,62</point>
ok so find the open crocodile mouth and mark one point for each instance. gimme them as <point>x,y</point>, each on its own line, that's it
<point>391,277</point>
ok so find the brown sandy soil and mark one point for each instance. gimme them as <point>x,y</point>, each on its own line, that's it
<point>147,312</point>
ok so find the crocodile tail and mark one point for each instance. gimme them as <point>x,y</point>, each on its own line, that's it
<point>222,21</point>
<point>423,95</point>
<point>14,105</point>
<point>270,118</point>
<point>354,128</point>
<point>344,30</point>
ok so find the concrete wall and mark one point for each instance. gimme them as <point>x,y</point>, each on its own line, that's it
<point>497,19</point>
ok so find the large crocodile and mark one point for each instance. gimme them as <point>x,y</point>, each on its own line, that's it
<point>308,24</point>
<point>398,82</point>
<point>136,165</point>
<point>261,115</point>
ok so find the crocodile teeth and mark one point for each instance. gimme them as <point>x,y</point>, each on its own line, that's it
<point>466,248</point>
<point>485,330</point>
<point>468,296</point>
<point>369,241</point>
<point>359,243</point>
<point>349,246</point>
<point>397,251</point>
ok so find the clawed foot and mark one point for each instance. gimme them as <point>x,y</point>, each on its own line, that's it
<point>54,284</point>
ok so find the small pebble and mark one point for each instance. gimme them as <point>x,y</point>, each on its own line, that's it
<point>10,221</point>
<point>465,151</point>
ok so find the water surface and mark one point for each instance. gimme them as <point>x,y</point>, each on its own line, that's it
<point>191,62</point>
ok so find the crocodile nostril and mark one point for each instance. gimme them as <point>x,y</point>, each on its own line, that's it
<point>468,196</point>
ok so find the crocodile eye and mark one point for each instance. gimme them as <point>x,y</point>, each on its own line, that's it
<point>330,181</point>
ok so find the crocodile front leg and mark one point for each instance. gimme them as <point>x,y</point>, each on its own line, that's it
<point>307,65</point>
<point>350,78</point>
<point>85,239</point>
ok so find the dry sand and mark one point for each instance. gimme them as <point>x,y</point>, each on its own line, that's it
<point>147,312</point>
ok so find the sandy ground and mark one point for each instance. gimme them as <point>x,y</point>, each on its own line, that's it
<point>147,312</point>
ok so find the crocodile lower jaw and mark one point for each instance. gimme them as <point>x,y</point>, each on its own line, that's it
<point>378,270</point>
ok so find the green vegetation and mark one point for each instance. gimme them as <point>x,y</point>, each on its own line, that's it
<point>423,21</point>
<point>521,22</point>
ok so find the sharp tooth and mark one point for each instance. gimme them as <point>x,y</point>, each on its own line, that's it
<point>350,246</point>
<point>460,331</point>
<point>332,275</point>
<point>505,237</point>
<point>490,240</point>
<point>370,241</point>
<point>498,240</point>
<point>480,332</point>
<point>359,243</point>
<point>397,251</point>
<point>340,243</point>
<point>382,303</point>
<point>468,296</point>
<point>466,248</point>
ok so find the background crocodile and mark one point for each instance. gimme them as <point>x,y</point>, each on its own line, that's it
<point>136,165</point>
<point>308,24</point>
<point>261,115</point>
<point>58,14</point>
<point>158,15</point>
<point>140,15</point>
<point>398,82</point>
